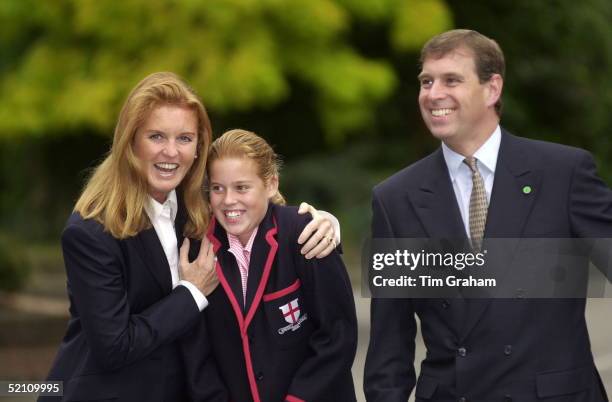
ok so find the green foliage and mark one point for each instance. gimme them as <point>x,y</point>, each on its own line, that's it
<point>13,268</point>
<point>305,74</point>
<point>559,68</point>
<point>417,21</point>
<point>68,64</point>
<point>41,179</point>
<point>340,183</point>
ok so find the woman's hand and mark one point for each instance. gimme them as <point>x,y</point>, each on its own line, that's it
<point>321,236</point>
<point>201,272</point>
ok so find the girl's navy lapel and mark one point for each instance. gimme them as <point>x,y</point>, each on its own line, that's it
<point>227,264</point>
<point>259,254</point>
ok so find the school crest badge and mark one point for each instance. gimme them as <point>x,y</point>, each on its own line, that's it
<point>291,311</point>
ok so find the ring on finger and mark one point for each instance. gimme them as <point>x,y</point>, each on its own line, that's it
<point>332,238</point>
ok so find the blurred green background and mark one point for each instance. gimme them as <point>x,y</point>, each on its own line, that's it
<point>330,83</point>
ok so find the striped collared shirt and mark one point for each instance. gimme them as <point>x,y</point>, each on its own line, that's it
<point>243,257</point>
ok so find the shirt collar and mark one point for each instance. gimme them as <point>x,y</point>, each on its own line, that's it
<point>486,155</point>
<point>154,208</point>
<point>235,244</point>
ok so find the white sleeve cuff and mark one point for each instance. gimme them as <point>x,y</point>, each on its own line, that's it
<point>198,296</point>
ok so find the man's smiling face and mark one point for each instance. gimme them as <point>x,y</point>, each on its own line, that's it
<point>454,104</point>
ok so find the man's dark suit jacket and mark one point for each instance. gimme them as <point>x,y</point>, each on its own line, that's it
<point>495,350</point>
<point>128,338</point>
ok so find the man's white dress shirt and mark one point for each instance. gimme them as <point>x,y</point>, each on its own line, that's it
<point>461,175</point>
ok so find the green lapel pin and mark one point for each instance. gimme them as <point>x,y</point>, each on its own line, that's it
<point>527,190</point>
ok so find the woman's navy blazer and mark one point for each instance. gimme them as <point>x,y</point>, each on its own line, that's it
<point>129,331</point>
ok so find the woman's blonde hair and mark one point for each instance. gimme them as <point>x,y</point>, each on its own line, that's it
<point>245,144</point>
<point>117,190</point>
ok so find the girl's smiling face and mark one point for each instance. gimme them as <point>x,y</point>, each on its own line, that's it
<point>238,196</point>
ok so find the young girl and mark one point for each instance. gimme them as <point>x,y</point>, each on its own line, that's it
<point>283,327</point>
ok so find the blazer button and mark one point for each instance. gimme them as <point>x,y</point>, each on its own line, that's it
<point>507,398</point>
<point>508,350</point>
<point>260,376</point>
<point>462,399</point>
<point>462,352</point>
<point>445,304</point>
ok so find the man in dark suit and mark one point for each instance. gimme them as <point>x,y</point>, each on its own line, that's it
<point>484,182</point>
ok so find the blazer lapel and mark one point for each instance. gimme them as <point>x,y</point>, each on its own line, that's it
<point>226,263</point>
<point>264,253</point>
<point>215,236</point>
<point>152,253</point>
<point>180,220</point>
<point>514,191</point>
<point>436,206</point>
<point>435,202</point>
<point>259,254</point>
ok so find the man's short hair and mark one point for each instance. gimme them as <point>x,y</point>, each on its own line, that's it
<point>488,56</point>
